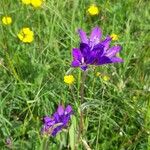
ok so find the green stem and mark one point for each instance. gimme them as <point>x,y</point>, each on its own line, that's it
<point>147,122</point>
<point>45,143</point>
<point>81,102</point>
<point>72,93</point>
<point>11,67</point>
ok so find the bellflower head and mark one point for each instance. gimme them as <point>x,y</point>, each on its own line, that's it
<point>94,51</point>
<point>59,120</point>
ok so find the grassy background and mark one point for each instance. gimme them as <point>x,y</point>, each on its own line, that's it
<point>117,112</point>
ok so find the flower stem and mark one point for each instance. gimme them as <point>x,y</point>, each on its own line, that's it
<point>147,120</point>
<point>45,143</point>
<point>81,101</point>
<point>72,93</point>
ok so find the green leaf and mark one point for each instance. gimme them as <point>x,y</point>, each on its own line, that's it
<point>72,134</point>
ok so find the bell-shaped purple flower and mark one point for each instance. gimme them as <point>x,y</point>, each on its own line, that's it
<point>59,120</point>
<point>93,51</point>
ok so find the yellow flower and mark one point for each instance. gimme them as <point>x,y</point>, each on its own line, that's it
<point>27,2</point>
<point>69,79</point>
<point>114,36</point>
<point>98,74</point>
<point>26,35</point>
<point>93,10</point>
<point>7,20</point>
<point>106,78</point>
<point>36,3</point>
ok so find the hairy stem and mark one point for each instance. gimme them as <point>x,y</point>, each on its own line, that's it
<point>45,143</point>
<point>82,100</point>
<point>72,93</point>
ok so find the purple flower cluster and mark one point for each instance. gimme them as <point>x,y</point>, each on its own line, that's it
<point>59,120</point>
<point>94,51</point>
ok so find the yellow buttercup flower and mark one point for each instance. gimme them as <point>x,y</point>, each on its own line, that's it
<point>98,74</point>
<point>93,10</point>
<point>69,79</point>
<point>27,2</point>
<point>26,35</point>
<point>36,3</point>
<point>114,37</point>
<point>106,78</point>
<point>6,20</point>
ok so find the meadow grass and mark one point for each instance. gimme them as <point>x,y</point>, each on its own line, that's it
<point>116,112</point>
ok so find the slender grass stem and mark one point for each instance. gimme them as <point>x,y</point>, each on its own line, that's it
<point>72,93</point>
<point>147,121</point>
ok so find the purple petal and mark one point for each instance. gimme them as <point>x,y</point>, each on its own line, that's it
<point>56,130</point>
<point>92,57</point>
<point>106,42</point>
<point>76,54</point>
<point>56,117</point>
<point>84,46</point>
<point>75,63</point>
<point>51,123</point>
<point>85,50</point>
<point>60,110</point>
<point>68,110</point>
<point>84,67</point>
<point>96,53</point>
<point>47,119</point>
<point>95,36</point>
<point>99,48</point>
<point>66,120</point>
<point>113,51</point>
<point>116,60</point>
<point>104,60</point>
<point>83,36</point>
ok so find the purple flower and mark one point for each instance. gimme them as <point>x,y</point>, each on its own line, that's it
<point>59,120</point>
<point>94,51</point>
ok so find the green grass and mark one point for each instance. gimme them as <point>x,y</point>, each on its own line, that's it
<point>116,113</point>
